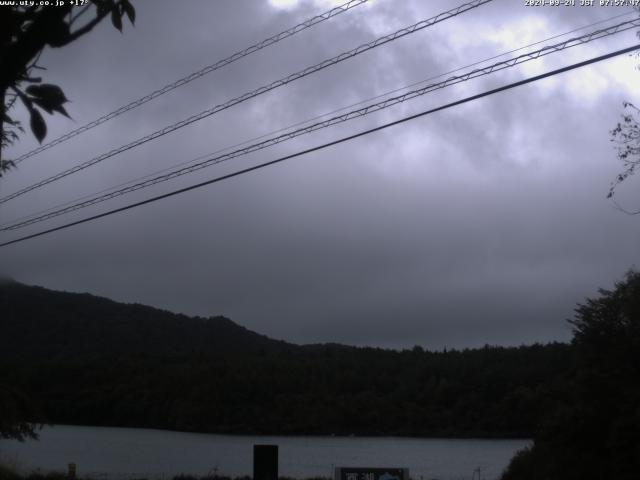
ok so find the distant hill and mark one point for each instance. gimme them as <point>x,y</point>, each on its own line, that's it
<point>89,360</point>
<point>39,323</point>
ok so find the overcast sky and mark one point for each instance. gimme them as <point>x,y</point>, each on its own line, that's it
<point>483,223</point>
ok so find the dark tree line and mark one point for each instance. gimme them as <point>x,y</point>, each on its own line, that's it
<point>88,360</point>
<point>593,431</point>
<point>488,392</point>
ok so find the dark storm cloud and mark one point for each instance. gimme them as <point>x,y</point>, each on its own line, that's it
<point>480,224</point>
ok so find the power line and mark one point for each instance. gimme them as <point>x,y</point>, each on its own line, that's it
<point>108,189</point>
<point>317,117</point>
<point>282,129</point>
<point>455,70</point>
<point>302,122</point>
<point>572,42</point>
<point>329,144</point>
<point>278,83</point>
<point>195,75</point>
<point>332,121</point>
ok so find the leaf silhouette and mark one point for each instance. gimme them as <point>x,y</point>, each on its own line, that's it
<point>129,10</point>
<point>38,127</point>
<point>116,19</point>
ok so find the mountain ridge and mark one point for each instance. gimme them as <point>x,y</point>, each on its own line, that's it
<point>68,323</point>
<point>88,360</point>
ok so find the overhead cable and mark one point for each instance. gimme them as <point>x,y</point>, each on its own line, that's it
<point>375,107</point>
<point>328,144</point>
<point>278,83</point>
<point>308,120</point>
<point>195,75</point>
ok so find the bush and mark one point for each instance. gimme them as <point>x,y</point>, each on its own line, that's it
<point>8,473</point>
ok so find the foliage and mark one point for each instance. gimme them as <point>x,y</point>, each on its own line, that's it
<point>626,135</point>
<point>97,362</point>
<point>594,432</point>
<point>25,30</point>
<point>7,472</point>
<point>18,415</point>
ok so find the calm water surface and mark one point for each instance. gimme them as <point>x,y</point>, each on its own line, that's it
<point>128,452</point>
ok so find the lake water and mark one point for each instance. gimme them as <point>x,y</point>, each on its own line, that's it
<point>120,453</point>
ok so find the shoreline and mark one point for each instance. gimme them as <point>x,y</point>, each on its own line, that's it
<point>492,438</point>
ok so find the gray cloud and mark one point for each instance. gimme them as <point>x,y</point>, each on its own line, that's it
<point>480,224</point>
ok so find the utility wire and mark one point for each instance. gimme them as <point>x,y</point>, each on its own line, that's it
<point>278,83</point>
<point>597,34</point>
<point>303,122</point>
<point>317,117</point>
<point>108,189</point>
<point>193,76</point>
<point>329,144</point>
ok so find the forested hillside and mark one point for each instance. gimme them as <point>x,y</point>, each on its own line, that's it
<point>40,323</point>
<point>89,360</point>
<point>593,430</point>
